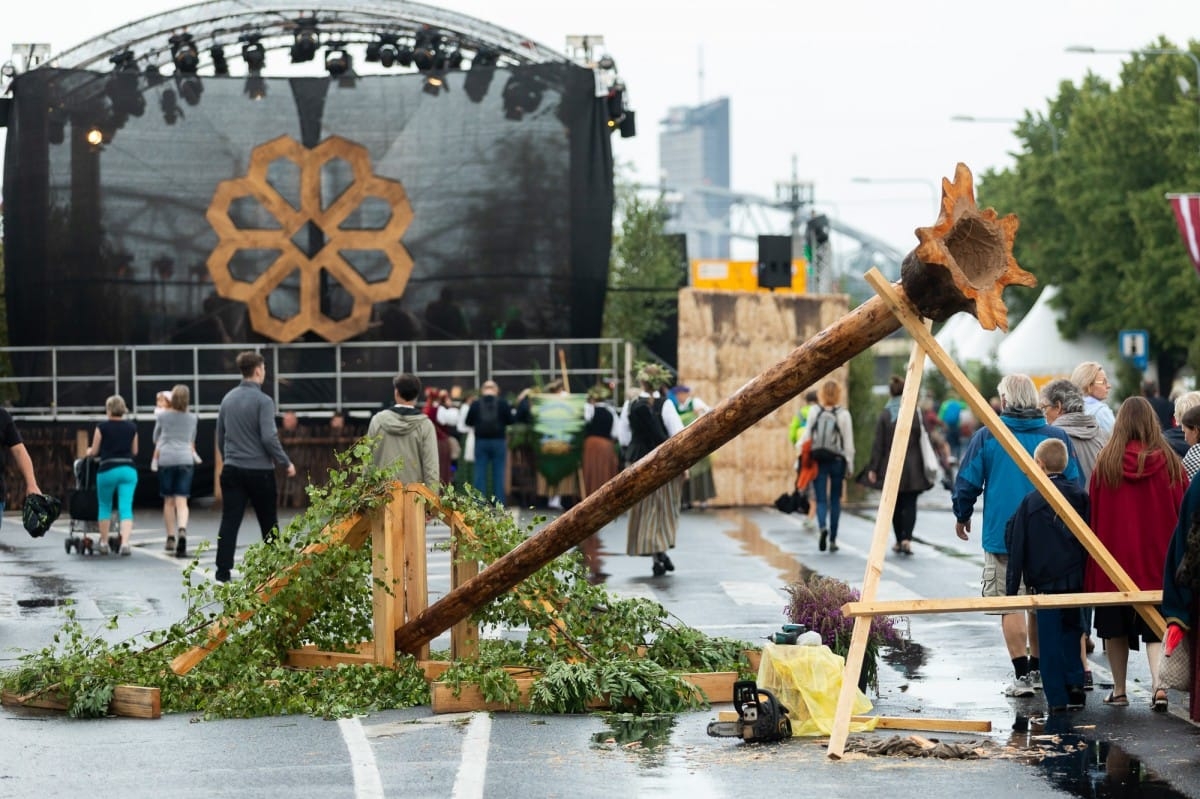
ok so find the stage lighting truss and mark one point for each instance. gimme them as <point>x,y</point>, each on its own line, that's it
<point>305,40</point>
<point>184,53</point>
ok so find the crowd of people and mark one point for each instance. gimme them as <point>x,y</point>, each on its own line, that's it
<point>1127,474</point>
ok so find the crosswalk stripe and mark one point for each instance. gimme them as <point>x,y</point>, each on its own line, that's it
<point>752,593</point>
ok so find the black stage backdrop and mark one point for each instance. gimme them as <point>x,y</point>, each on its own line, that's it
<point>510,188</point>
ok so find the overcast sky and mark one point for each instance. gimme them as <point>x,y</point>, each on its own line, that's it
<point>852,88</point>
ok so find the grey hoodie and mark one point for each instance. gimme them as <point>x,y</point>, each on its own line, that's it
<point>1086,437</point>
<point>406,434</point>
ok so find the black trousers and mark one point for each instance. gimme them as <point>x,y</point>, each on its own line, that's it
<point>239,486</point>
<point>904,515</point>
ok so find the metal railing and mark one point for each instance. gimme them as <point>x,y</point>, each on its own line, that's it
<point>307,377</point>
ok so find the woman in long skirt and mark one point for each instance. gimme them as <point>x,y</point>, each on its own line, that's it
<point>647,421</point>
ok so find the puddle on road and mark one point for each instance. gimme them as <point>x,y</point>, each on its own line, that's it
<point>645,735</point>
<point>748,534</point>
<point>1087,768</point>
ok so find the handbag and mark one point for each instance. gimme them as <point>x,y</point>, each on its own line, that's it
<point>1175,669</point>
<point>929,458</point>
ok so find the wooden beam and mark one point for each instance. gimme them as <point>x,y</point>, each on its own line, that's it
<point>984,413</point>
<point>410,551</point>
<point>910,607</point>
<point>129,701</point>
<point>883,523</point>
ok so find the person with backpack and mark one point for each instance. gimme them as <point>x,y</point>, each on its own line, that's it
<point>489,417</point>
<point>830,433</point>
<point>406,434</point>
<point>647,421</point>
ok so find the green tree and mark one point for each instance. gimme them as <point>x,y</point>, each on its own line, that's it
<point>1094,219</point>
<point>644,277</point>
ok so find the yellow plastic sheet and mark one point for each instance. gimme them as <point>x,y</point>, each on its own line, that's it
<point>808,679</point>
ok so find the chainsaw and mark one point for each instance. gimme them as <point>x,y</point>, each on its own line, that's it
<point>760,716</point>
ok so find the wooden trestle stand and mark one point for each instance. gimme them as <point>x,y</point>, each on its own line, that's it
<point>867,607</point>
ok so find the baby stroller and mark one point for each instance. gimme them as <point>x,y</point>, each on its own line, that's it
<point>84,508</point>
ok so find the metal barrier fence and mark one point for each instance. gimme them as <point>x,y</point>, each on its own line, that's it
<point>307,377</point>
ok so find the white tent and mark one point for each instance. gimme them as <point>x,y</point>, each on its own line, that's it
<point>1037,348</point>
<point>966,341</point>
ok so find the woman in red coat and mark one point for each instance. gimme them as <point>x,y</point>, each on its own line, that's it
<point>1136,489</point>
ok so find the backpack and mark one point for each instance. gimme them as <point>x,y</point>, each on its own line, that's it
<point>487,422</point>
<point>826,436</point>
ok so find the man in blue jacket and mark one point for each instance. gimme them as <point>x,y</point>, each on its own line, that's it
<point>985,468</point>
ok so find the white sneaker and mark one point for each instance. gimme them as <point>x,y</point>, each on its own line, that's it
<point>555,503</point>
<point>1021,686</point>
<point>1035,679</point>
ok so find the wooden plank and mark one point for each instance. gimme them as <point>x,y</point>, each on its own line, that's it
<point>903,310</point>
<point>411,552</point>
<point>385,528</point>
<point>316,659</point>
<point>433,669</point>
<point>129,701</point>
<point>464,634</point>
<point>137,702</point>
<point>875,557</point>
<point>926,724</point>
<point>443,700</point>
<point>909,607</point>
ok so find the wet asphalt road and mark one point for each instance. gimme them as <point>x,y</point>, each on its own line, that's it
<point>732,566</point>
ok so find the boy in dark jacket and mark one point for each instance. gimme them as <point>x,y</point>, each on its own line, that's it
<point>1045,555</point>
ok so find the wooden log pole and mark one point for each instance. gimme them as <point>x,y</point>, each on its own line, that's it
<point>963,262</point>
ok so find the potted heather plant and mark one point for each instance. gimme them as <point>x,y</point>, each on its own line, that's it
<point>816,602</point>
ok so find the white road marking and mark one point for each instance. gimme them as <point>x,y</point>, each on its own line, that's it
<point>367,783</point>
<point>752,593</point>
<point>473,769</point>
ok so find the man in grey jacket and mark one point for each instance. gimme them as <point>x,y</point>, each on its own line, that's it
<point>249,444</point>
<point>405,434</point>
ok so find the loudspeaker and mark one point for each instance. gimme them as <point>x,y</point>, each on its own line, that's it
<point>628,125</point>
<point>774,262</point>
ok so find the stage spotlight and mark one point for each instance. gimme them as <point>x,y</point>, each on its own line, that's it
<point>122,85</point>
<point>94,136</point>
<point>386,51</point>
<point>306,39</point>
<point>253,53</point>
<point>434,83</point>
<point>615,105</point>
<point>219,64</point>
<point>428,50</point>
<point>170,107</point>
<point>337,60</point>
<point>606,63</point>
<point>184,53</point>
<point>404,55</point>
<point>479,76</point>
<point>455,59</point>
<point>190,88</point>
<point>256,86</point>
<point>521,97</point>
<point>374,52</point>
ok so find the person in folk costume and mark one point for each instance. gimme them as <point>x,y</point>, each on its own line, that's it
<point>647,421</point>
<point>698,488</point>
<point>600,462</point>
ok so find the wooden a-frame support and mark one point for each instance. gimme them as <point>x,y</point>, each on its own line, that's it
<point>867,606</point>
<point>397,534</point>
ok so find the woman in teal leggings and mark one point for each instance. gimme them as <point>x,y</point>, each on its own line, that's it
<point>116,443</point>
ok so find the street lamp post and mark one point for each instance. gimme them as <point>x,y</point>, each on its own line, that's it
<point>1009,120</point>
<point>933,189</point>
<point>1147,51</point>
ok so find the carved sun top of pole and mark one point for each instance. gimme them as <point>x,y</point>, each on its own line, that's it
<point>975,248</point>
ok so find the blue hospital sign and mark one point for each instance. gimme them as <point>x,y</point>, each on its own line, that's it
<point>1135,347</point>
